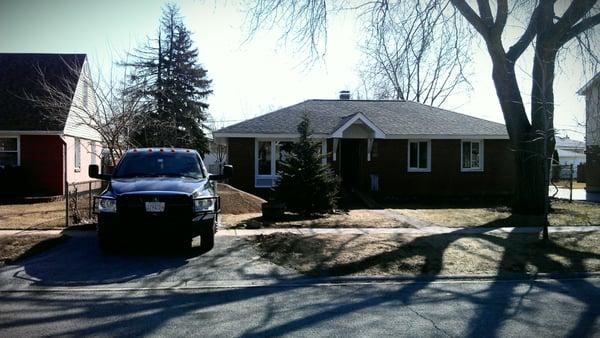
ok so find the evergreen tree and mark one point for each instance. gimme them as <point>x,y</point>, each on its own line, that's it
<point>306,185</point>
<point>173,85</point>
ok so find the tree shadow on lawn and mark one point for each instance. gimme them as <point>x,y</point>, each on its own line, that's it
<point>493,304</point>
<point>516,261</point>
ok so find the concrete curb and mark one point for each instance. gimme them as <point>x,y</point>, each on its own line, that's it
<point>425,231</point>
<point>302,282</point>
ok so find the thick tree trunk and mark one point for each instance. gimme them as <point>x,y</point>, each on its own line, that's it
<point>529,195</point>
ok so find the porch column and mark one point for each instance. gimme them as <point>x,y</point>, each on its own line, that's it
<point>369,148</point>
<point>335,148</point>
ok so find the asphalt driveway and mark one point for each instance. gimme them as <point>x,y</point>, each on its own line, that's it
<point>79,262</point>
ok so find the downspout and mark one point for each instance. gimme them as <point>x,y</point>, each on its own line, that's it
<point>64,150</point>
<point>66,184</point>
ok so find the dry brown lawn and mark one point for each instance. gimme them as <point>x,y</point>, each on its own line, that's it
<point>563,214</point>
<point>356,218</point>
<point>431,255</point>
<point>49,215</point>
<point>20,246</point>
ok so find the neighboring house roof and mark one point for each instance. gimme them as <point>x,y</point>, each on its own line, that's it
<point>567,153</point>
<point>589,84</point>
<point>19,78</point>
<point>393,118</point>
<point>567,143</point>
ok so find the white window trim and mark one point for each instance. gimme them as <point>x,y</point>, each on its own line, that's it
<point>273,176</point>
<point>419,170</point>
<point>481,156</point>
<point>18,151</point>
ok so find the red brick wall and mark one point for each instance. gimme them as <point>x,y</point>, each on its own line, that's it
<point>42,162</point>
<point>444,180</point>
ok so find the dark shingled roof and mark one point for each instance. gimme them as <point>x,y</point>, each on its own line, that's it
<point>19,78</point>
<point>392,117</point>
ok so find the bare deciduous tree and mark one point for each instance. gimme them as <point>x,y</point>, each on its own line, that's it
<point>549,27</point>
<point>416,51</point>
<point>103,107</point>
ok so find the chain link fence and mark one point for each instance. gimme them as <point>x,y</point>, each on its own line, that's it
<point>567,176</point>
<point>79,202</point>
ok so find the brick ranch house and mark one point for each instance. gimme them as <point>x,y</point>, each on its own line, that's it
<point>38,154</point>
<point>591,91</point>
<point>398,148</point>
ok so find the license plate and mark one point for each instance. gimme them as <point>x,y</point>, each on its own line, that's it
<point>155,206</point>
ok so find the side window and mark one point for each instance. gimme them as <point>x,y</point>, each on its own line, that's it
<point>419,156</point>
<point>472,155</point>
<point>77,153</point>
<point>9,152</point>
<point>93,154</point>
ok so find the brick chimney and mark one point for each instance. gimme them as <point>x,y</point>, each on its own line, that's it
<point>345,95</point>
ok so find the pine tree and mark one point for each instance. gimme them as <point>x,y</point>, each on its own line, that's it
<point>306,185</point>
<point>169,79</point>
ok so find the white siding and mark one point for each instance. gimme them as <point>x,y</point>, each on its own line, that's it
<point>76,124</point>
<point>80,174</point>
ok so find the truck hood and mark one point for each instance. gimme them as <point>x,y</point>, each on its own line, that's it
<point>158,185</point>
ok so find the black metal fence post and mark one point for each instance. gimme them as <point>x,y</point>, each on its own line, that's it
<point>66,204</point>
<point>90,199</point>
<point>571,184</point>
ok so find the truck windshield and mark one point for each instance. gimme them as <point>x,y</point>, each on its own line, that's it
<point>155,164</point>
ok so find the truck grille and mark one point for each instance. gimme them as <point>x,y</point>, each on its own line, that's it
<point>136,204</point>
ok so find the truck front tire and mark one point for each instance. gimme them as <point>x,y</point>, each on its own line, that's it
<point>207,240</point>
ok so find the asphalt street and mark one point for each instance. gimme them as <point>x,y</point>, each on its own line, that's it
<point>75,290</point>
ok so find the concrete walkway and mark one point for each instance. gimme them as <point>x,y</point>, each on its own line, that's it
<point>578,194</point>
<point>422,231</point>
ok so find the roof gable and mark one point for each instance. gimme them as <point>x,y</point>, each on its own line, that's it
<point>400,119</point>
<point>19,78</point>
<point>352,119</point>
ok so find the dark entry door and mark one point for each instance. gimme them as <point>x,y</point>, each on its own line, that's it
<point>350,163</point>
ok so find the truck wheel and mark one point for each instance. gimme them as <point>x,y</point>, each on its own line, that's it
<point>207,240</point>
<point>106,241</point>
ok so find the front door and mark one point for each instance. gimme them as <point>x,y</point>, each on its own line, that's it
<point>350,163</point>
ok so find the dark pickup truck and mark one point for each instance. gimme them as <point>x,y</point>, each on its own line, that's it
<point>165,192</point>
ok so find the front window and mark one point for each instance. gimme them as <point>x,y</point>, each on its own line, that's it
<point>282,149</point>
<point>419,156</point>
<point>9,152</point>
<point>472,156</point>
<point>269,154</point>
<point>264,158</point>
<point>158,163</point>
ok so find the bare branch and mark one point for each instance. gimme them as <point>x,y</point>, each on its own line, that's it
<point>581,27</point>
<point>471,16</point>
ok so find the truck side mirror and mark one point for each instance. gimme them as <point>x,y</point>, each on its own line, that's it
<point>227,170</point>
<point>227,173</point>
<point>94,172</point>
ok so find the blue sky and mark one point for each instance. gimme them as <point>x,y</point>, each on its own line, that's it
<point>249,77</point>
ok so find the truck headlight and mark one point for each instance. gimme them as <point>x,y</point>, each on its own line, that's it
<point>106,204</point>
<point>204,204</point>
